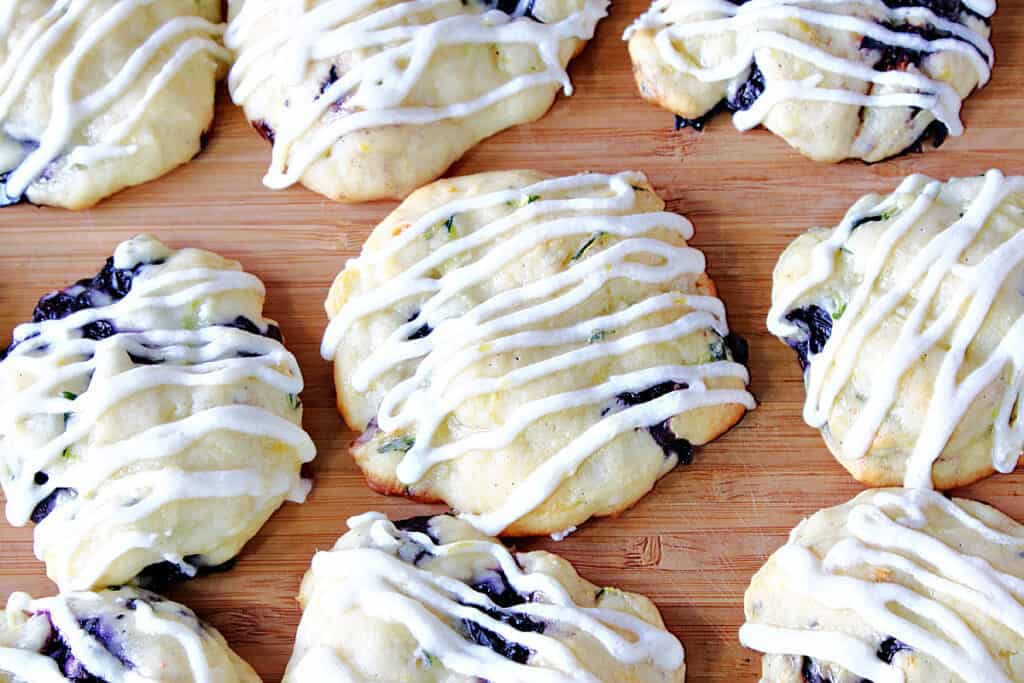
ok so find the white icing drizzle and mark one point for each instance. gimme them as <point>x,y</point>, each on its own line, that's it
<point>754,22</point>
<point>153,618</point>
<point>430,605</point>
<point>934,577</point>
<point>421,403</point>
<point>175,42</point>
<point>928,270</point>
<point>55,355</point>
<point>373,90</point>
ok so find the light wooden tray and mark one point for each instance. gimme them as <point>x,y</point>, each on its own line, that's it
<point>694,542</point>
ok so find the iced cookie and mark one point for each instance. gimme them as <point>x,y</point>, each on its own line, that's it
<point>896,586</point>
<point>861,79</point>
<point>366,100</point>
<point>120,634</point>
<point>909,319</point>
<point>432,599</point>
<point>533,351</point>
<point>98,95</point>
<point>149,419</point>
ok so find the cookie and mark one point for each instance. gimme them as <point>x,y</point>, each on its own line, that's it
<point>836,80</point>
<point>369,100</point>
<point>895,586</point>
<point>120,634</point>
<point>431,598</point>
<point>907,318</point>
<point>533,351</point>
<point>150,419</point>
<point>99,95</point>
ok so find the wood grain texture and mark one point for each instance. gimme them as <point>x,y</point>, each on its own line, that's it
<point>693,544</point>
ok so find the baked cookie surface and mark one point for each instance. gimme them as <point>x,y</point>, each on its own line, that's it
<point>432,599</point>
<point>120,634</point>
<point>367,100</point>
<point>909,320</point>
<point>896,585</point>
<point>862,79</point>
<point>149,419</point>
<point>98,95</point>
<point>533,351</point>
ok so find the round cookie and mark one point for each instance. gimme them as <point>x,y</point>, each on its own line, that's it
<point>120,634</point>
<point>99,95</point>
<point>909,321</point>
<point>860,79</point>
<point>533,351</point>
<point>149,419</point>
<point>432,599</point>
<point>368,100</point>
<point>895,586</point>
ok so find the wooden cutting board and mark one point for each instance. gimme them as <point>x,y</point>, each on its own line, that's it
<point>694,542</point>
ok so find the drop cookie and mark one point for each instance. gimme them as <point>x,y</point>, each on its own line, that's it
<point>150,419</point>
<point>908,319</point>
<point>895,586</point>
<point>431,598</point>
<point>369,100</point>
<point>533,351</point>
<point>119,634</point>
<point>836,80</point>
<point>99,95</point>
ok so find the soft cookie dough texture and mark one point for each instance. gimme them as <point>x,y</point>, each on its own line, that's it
<point>149,419</point>
<point>121,634</point>
<point>861,79</point>
<point>98,95</point>
<point>895,586</point>
<point>368,100</point>
<point>533,351</point>
<point>432,599</point>
<point>909,319</point>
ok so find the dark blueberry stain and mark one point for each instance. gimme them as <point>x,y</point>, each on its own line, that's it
<point>811,673</point>
<point>27,147</point>
<point>946,9</point>
<point>264,129</point>
<point>815,324</point>
<point>107,636</point>
<point>161,574</point>
<point>420,524</point>
<point>246,325</point>
<point>57,649</point>
<point>332,78</point>
<point>738,347</point>
<point>44,507</point>
<point>747,94</point>
<point>421,331</point>
<point>496,587</point>
<point>41,478</point>
<point>741,100</point>
<point>510,7</point>
<point>662,432</point>
<point>888,649</point>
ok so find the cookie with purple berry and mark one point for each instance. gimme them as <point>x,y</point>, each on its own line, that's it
<point>99,95</point>
<point>120,634</point>
<point>149,419</point>
<point>908,321</point>
<point>431,598</point>
<point>836,80</point>
<point>533,351</point>
<point>370,100</point>
<point>895,586</point>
